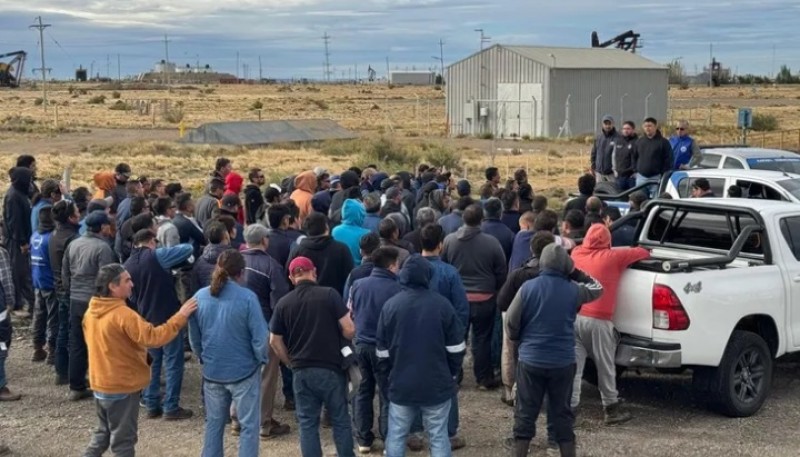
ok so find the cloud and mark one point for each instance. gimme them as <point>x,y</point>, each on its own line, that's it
<point>287,33</point>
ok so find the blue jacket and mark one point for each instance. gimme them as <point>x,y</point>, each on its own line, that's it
<point>371,222</point>
<point>123,211</point>
<point>350,231</point>
<point>204,266</point>
<point>447,282</point>
<point>542,314</point>
<point>154,293</point>
<point>281,242</point>
<point>451,222</point>
<point>420,340</point>
<point>41,270</point>
<point>228,333</point>
<point>502,233</point>
<point>682,148</point>
<point>35,212</point>
<point>511,220</point>
<point>366,300</point>
<point>266,278</point>
<point>360,272</point>
<point>521,249</point>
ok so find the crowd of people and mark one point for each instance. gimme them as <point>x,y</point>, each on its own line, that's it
<point>345,286</point>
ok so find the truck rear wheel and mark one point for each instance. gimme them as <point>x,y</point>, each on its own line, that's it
<point>741,383</point>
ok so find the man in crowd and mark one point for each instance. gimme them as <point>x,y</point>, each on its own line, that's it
<point>283,232</point>
<point>305,184</point>
<point>123,243</point>
<point>6,330</point>
<point>350,231</point>
<point>492,183</point>
<point>586,185</point>
<point>368,244</point>
<point>118,371</point>
<point>332,259</point>
<point>167,234</point>
<point>540,318</point>
<point>372,206</point>
<point>51,193</point>
<point>156,299</point>
<point>525,190</point>
<point>308,328</point>
<point>45,316</point>
<point>208,202</point>
<point>189,232</point>
<point>685,151</point>
<point>133,189</point>
<point>229,206</point>
<point>122,174</point>
<point>425,216</point>
<point>701,188</point>
<point>480,261</point>
<point>366,300</point>
<point>267,279</point>
<point>390,237</point>
<point>492,225</point>
<point>593,208</point>
<point>254,210</point>
<point>637,200</point>
<point>83,259</point>
<point>17,233</point>
<point>420,347</point>
<point>595,335</point>
<point>218,242</point>
<point>606,144</point>
<point>222,168</point>
<point>623,157</point>
<point>511,214</point>
<point>653,153</point>
<point>66,216</point>
<point>453,221</point>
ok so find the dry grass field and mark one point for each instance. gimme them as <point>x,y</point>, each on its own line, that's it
<point>400,127</point>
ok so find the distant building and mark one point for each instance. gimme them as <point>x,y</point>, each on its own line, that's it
<point>516,91</point>
<point>412,78</point>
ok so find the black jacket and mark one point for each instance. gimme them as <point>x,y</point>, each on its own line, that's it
<point>331,258</point>
<point>266,278</point>
<point>280,244</point>
<point>653,156</point>
<point>515,281</point>
<point>189,233</point>
<point>623,156</point>
<point>59,240</point>
<point>605,146</point>
<point>479,258</point>
<point>204,266</point>
<point>253,204</point>
<point>17,209</point>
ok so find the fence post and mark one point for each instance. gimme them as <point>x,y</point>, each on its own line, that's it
<point>782,132</point>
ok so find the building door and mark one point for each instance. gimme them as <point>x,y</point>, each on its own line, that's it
<point>519,110</point>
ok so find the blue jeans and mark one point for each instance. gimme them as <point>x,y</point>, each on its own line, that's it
<point>62,340</point>
<point>497,341</point>
<point>171,355</point>
<point>3,356</point>
<point>625,183</point>
<point>314,387</point>
<point>287,381</point>
<point>650,190</point>
<point>371,378</point>
<point>218,398</point>
<point>434,418</point>
<point>453,421</point>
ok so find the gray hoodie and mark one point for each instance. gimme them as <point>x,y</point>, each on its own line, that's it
<point>478,257</point>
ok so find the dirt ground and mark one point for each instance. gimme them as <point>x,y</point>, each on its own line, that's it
<point>668,420</point>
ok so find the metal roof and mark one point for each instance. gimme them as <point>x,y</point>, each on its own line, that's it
<point>268,132</point>
<point>752,153</point>
<point>579,58</point>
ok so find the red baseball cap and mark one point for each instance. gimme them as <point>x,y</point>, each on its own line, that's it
<point>302,264</point>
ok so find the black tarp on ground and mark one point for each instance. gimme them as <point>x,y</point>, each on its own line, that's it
<point>252,133</point>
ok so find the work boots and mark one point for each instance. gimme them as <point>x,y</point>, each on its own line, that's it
<point>39,354</point>
<point>568,449</point>
<point>521,448</point>
<point>51,355</point>
<point>616,414</point>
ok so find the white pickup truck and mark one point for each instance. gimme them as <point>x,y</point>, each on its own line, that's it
<point>720,296</point>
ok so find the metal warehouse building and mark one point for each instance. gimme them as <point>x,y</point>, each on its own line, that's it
<point>516,91</point>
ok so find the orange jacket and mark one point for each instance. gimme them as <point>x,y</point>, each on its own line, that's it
<point>104,183</point>
<point>117,339</point>
<point>596,258</point>
<point>305,184</point>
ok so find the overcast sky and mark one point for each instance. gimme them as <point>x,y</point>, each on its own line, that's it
<point>287,34</point>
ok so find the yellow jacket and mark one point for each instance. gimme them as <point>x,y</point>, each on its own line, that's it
<point>117,339</point>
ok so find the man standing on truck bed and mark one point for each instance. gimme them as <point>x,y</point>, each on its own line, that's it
<point>595,336</point>
<point>653,153</point>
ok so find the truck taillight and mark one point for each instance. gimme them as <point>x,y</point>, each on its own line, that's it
<point>668,312</point>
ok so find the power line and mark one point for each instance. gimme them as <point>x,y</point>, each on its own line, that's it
<point>327,38</point>
<point>43,68</point>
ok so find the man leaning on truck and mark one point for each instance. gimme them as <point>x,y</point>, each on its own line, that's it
<point>595,335</point>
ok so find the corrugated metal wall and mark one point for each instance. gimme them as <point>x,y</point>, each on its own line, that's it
<point>412,78</point>
<point>586,85</point>
<point>499,66</point>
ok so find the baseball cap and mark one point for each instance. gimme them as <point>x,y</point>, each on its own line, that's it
<point>97,218</point>
<point>300,264</point>
<point>608,118</point>
<point>335,180</point>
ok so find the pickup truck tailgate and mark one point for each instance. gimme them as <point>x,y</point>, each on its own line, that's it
<point>634,312</point>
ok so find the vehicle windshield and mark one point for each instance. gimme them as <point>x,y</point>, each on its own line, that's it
<point>792,186</point>
<point>787,164</point>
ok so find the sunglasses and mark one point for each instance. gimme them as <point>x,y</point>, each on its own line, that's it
<point>680,129</point>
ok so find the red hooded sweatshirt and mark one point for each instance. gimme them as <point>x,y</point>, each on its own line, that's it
<point>596,258</point>
<point>233,186</point>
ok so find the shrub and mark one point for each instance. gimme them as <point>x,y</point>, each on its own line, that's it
<point>38,101</point>
<point>486,136</point>
<point>442,156</point>
<point>116,95</point>
<point>120,106</point>
<point>339,148</point>
<point>257,105</point>
<point>97,100</point>
<point>765,122</point>
<point>173,115</point>
<point>321,104</point>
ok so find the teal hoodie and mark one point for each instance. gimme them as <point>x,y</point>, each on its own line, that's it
<point>350,230</point>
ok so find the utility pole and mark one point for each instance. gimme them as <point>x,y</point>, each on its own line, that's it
<point>108,66</point>
<point>441,58</point>
<point>773,63</point>
<point>484,39</point>
<point>119,69</point>
<point>327,38</point>
<point>43,68</point>
<point>166,61</point>
<point>260,71</point>
<point>237,67</point>
<point>388,71</point>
